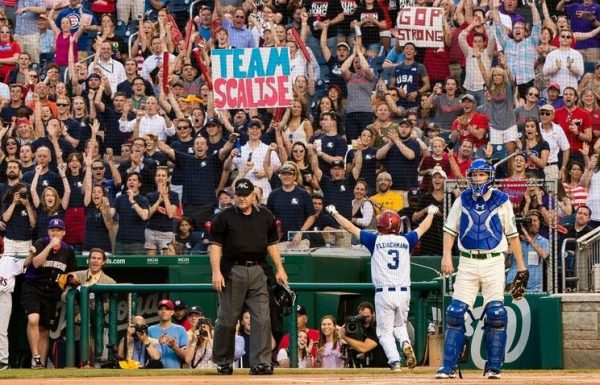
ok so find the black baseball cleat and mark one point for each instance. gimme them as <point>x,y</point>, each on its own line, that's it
<point>261,369</point>
<point>225,369</point>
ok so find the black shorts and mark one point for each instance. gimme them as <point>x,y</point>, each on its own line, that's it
<point>39,300</point>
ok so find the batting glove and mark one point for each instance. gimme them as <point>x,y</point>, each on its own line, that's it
<point>432,209</point>
<point>331,209</point>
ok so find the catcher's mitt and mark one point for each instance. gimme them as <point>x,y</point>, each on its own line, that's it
<point>519,284</point>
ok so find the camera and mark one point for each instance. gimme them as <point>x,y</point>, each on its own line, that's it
<point>354,325</point>
<point>141,328</point>
<point>71,282</point>
<point>577,122</point>
<point>23,194</point>
<point>202,332</point>
<point>522,220</point>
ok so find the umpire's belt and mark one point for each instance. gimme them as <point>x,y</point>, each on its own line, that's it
<point>479,255</point>
<point>390,288</point>
<point>247,263</point>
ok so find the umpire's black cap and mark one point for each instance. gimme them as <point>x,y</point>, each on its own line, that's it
<point>244,187</point>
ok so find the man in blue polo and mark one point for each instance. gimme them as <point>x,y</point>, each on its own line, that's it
<point>239,35</point>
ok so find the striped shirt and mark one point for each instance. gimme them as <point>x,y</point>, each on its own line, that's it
<point>578,194</point>
<point>27,22</point>
<point>520,55</point>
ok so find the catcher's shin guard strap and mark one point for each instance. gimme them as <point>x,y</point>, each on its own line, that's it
<point>495,334</point>
<point>454,339</point>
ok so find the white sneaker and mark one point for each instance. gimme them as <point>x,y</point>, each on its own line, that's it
<point>493,374</point>
<point>36,362</point>
<point>443,373</point>
<point>409,353</point>
<point>396,366</point>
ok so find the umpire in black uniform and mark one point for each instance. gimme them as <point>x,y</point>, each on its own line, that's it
<point>241,237</point>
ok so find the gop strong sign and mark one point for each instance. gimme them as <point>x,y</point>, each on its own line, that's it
<point>421,26</point>
<point>251,78</point>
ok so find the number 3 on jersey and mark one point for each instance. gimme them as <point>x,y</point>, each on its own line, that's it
<point>395,259</point>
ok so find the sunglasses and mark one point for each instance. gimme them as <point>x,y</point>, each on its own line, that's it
<point>183,127</point>
<point>98,168</point>
<point>565,36</point>
<point>297,151</point>
<point>62,104</point>
<point>533,94</point>
<point>545,113</point>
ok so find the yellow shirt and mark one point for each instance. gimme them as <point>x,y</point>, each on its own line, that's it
<point>390,200</point>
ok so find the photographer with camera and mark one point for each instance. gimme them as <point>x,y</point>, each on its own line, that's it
<point>535,249</point>
<point>138,346</point>
<point>359,332</point>
<point>198,353</point>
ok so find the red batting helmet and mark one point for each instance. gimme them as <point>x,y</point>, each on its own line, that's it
<point>388,222</point>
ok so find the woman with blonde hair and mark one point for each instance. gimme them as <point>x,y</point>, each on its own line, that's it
<point>499,108</point>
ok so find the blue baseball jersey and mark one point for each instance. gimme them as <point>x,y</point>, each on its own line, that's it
<point>390,257</point>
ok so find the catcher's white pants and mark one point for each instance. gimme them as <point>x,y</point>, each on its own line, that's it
<point>6,306</point>
<point>391,310</point>
<point>473,274</point>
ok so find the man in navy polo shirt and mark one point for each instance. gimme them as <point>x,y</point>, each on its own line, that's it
<point>47,178</point>
<point>291,204</point>
<point>337,189</point>
<point>330,146</point>
<point>202,173</point>
<point>132,208</point>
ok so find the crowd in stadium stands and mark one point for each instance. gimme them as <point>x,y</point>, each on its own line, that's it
<point>134,160</point>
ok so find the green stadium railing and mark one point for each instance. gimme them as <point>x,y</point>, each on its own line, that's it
<point>418,290</point>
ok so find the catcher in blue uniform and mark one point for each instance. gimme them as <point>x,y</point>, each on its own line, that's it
<point>483,223</point>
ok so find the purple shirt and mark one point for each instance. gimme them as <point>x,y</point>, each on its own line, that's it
<point>578,24</point>
<point>514,17</point>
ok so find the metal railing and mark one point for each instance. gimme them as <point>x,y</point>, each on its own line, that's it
<point>587,261</point>
<point>419,309</point>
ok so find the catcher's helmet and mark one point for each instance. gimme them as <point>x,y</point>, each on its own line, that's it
<point>480,165</point>
<point>283,296</point>
<point>388,222</point>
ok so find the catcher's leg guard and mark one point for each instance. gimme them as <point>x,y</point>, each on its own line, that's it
<point>495,334</point>
<point>454,339</point>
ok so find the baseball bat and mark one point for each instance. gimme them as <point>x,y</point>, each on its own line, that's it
<point>165,74</point>
<point>301,45</point>
<point>203,68</point>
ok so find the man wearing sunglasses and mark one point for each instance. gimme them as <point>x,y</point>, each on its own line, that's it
<point>554,135</point>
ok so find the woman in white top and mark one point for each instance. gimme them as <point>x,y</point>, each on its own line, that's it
<point>296,125</point>
<point>591,180</point>
<point>363,214</point>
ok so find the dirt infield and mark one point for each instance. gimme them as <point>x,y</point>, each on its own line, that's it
<point>289,377</point>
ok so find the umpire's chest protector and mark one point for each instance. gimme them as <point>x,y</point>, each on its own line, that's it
<point>480,225</point>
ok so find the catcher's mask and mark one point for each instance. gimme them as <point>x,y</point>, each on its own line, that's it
<point>283,296</point>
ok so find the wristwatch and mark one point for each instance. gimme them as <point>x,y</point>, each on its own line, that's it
<point>147,344</point>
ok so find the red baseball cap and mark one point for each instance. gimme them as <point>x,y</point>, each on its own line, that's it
<point>166,302</point>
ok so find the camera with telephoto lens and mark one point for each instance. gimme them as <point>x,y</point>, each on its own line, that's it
<point>354,325</point>
<point>522,222</point>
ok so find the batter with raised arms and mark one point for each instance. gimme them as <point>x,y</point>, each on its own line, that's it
<point>390,272</point>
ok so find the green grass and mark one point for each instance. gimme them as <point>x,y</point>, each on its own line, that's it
<point>82,373</point>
